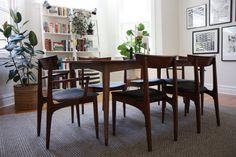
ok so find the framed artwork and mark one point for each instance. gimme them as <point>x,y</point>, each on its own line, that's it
<point>205,41</point>
<point>220,11</point>
<point>228,43</point>
<point>196,16</point>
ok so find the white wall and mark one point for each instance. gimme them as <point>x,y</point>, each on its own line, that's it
<point>226,70</point>
<point>170,27</point>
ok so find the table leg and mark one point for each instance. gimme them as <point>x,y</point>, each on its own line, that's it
<point>106,82</point>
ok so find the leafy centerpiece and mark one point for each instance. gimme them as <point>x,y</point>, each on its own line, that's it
<point>137,42</point>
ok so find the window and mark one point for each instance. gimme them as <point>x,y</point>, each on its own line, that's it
<point>132,13</point>
<point>4,16</point>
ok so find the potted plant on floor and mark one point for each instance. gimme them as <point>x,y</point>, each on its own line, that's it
<point>20,44</point>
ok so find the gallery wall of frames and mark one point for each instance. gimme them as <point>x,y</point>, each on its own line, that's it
<point>207,41</point>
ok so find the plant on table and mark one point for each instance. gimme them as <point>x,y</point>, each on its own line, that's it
<point>137,42</point>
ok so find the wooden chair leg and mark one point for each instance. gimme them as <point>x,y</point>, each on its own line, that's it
<point>202,103</point>
<point>95,113</point>
<point>48,128</point>
<point>82,107</point>
<point>175,121</point>
<point>148,130</point>
<point>72,114</point>
<point>163,111</point>
<point>114,117</point>
<point>39,117</point>
<point>124,109</point>
<point>216,102</point>
<point>78,115</point>
<point>198,115</point>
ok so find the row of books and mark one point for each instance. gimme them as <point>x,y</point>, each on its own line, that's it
<point>60,11</point>
<point>64,66</point>
<point>56,27</point>
<point>63,45</point>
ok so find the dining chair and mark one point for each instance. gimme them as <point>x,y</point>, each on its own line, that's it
<point>98,87</point>
<point>57,99</point>
<point>194,90</point>
<point>142,97</point>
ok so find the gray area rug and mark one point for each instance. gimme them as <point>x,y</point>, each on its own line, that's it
<point>18,135</point>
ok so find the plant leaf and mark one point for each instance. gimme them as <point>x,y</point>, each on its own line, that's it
<point>5,25</point>
<point>7,32</point>
<point>32,75</point>
<point>19,17</point>
<point>145,33</point>
<point>10,47</point>
<point>17,38</point>
<point>28,45</point>
<point>1,30</point>
<point>12,74</point>
<point>141,27</point>
<point>25,22</point>
<point>33,38</point>
<point>13,15</point>
<point>39,52</point>
<point>130,32</point>
<point>16,78</point>
<point>9,65</point>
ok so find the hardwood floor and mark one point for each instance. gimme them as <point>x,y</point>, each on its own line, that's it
<point>225,100</point>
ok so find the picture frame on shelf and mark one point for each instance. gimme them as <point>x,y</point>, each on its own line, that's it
<point>196,16</point>
<point>228,43</point>
<point>220,12</point>
<point>205,41</point>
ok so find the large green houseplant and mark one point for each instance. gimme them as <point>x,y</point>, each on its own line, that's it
<point>137,42</point>
<point>22,63</point>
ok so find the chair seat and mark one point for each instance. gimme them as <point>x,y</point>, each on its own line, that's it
<point>190,87</point>
<point>170,81</point>
<point>113,85</point>
<point>138,94</point>
<point>151,82</point>
<point>70,94</point>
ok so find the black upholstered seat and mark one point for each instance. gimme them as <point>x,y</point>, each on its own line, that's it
<point>71,94</point>
<point>151,82</point>
<point>113,86</point>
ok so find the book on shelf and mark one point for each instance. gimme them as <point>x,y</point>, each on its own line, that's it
<point>63,45</point>
<point>56,27</point>
<point>64,66</point>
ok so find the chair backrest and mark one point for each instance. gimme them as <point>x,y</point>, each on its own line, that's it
<point>199,63</point>
<point>180,68</point>
<point>158,62</point>
<point>48,63</point>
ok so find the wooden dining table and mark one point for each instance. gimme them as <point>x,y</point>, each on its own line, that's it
<point>105,67</point>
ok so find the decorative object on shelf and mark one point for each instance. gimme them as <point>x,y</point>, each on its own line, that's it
<point>205,41</point>
<point>46,5</point>
<point>80,22</point>
<point>20,44</point>
<point>90,28</point>
<point>228,43</point>
<point>220,11</point>
<point>196,16</point>
<point>137,42</point>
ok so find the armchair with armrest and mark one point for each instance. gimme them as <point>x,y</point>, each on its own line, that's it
<point>57,99</point>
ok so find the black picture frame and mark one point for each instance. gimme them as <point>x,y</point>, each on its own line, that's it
<point>205,41</point>
<point>228,43</point>
<point>220,12</point>
<point>196,17</point>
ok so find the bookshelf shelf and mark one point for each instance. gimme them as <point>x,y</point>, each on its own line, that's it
<point>56,16</point>
<point>60,34</point>
<point>71,52</point>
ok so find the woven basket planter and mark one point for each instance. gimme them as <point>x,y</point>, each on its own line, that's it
<point>25,97</point>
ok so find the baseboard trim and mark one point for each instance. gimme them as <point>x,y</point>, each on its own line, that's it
<point>224,89</point>
<point>6,100</point>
